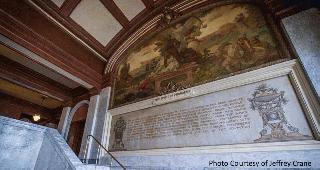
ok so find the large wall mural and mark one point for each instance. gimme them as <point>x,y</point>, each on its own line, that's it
<point>199,48</point>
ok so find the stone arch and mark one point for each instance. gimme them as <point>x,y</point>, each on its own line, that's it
<point>71,115</point>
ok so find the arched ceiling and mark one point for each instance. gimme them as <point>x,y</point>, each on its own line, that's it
<point>104,25</point>
<point>100,24</point>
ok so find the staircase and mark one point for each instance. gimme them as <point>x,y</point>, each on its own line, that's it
<point>28,146</point>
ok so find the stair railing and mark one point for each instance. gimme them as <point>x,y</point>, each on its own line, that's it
<point>100,145</point>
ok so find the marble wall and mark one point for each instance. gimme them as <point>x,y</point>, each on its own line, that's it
<point>211,160</point>
<point>245,114</point>
<point>27,146</point>
<point>19,144</point>
<point>303,32</point>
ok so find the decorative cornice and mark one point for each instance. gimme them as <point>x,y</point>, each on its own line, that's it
<point>68,6</point>
<point>23,35</point>
<point>70,25</point>
<point>28,78</point>
<point>116,12</point>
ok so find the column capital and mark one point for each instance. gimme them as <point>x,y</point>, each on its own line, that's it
<point>94,91</point>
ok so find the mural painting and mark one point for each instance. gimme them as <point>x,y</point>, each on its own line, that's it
<point>202,47</point>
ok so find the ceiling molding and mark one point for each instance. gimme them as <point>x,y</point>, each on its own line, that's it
<point>29,55</point>
<point>116,12</point>
<point>23,35</point>
<point>63,20</point>
<point>138,24</point>
<point>30,106</point>
<point>68,6</point>
<point>46,6</point>
<point>70,26</point>
<point>148,3</point>
<point>19,74</point>
<point>20,57</point>
<point>32,18</point>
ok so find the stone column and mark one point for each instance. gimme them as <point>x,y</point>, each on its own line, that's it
<point>62,126</point>
<point>303,32</point>
<point>102,121</point>
<point>102,114</point>
<point>96,124</point>
<point>85,149</point>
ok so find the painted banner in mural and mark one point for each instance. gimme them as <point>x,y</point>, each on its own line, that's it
<point>200,48</point>
<point>267,111</point>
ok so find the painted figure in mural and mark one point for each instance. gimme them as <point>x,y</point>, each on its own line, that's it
<point>124,72</point>
<point>144,88</point>
<point>118,130</point>
<point>269,103</point>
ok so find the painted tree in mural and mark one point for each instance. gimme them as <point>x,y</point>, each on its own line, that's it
<point>124,72</point>
<point>175,42</point>
<point>212,43</point>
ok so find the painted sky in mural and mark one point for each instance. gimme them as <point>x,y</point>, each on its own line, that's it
<point>202,47</point>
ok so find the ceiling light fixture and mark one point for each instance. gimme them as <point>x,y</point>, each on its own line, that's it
<point>37,117</point>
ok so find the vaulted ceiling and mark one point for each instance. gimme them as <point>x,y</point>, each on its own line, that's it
<point>104,24</point>
<point>100,24</point>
